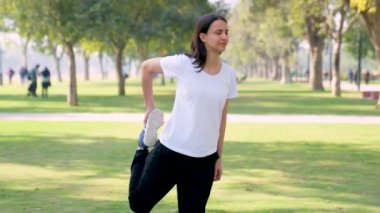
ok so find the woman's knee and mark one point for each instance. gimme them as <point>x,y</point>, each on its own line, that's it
<point>137,206</point>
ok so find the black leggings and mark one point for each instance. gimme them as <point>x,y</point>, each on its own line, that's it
<point>154,174</point>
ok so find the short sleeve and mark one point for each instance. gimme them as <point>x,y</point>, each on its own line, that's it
<point>233,92</point>
<point>172,65</point>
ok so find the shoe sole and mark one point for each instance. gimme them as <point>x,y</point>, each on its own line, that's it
<point>153,123</point>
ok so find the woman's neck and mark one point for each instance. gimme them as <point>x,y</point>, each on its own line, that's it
<point>213,64</point>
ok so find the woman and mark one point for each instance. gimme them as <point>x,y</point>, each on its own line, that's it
<point>188,153</point>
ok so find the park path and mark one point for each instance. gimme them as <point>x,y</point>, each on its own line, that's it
<point>345,85</point>
<point>232,118</point>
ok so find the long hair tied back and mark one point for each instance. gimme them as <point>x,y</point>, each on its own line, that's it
<point>198,49</point>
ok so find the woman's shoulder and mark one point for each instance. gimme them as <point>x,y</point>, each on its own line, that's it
<point>180,57</point>
<point>228,68</point>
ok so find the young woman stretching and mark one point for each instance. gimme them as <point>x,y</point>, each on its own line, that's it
<point>188,153</point>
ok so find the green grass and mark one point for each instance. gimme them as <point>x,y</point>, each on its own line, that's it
<point>84,167</point>
<point>280,168</point>
<point>255,97</point>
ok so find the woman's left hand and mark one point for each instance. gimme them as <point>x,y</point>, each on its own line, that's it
<point>218,170</point>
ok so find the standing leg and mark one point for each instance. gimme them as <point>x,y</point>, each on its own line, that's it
<point>195,186</point>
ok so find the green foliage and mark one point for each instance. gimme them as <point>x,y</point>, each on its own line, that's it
<point>351,42</point>
<point>168,27</point>
<point>364,5</point>
<point>267,28</point>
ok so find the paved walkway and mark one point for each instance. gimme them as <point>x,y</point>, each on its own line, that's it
<point>363,87</point>
<point>233,118</point>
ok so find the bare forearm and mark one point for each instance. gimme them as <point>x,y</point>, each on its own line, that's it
<point>147,70</point>
<point>147,87</point>
<point>222,130</point>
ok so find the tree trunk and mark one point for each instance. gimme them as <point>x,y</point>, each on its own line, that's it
<point>315,69</point>
<point>276,68</point>
<point>57,60</point>
<point>371,21</point>
<point>285,76</point>
<point>335,81</point>
<point>25,52</point>
<point>267,66</point>
<point>86,59</point>
<point>102,71</point>
<point>119,67</point>
<point>1,66</point>
<point>72,98</point>
<point>316,42</point>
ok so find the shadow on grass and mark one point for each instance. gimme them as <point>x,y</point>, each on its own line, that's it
<point>338,173</point>
<point>255,98</point>
<point>87,103</point>
<point>48,200</point>
<point>288,105</point>
<point>106,155</point>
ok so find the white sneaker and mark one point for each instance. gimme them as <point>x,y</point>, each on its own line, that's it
<point>153,123</point>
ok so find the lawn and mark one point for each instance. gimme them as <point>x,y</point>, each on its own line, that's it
<point>255,97</point>
<point>84,167</point>
<point>67,167</point>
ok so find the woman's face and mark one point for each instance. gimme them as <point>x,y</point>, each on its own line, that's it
<point>216,38</point>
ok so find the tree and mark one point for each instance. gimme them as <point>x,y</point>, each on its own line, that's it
<point>62,21</point>
<point>242,50</point>
<point>46,46</point>
<point>18,22</point>
<point>263,34</point>
<point>369,11</point>
<point>351,37</point>
<point>113,23</point>
<point>87,47</point>
<point>336,23</point>
<point>170,27</point>
<point>313,13</point>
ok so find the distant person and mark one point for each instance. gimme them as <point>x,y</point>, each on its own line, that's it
<point>45,82</point>
<point>188,154</point>
<point>23,74</point>
<point>350,76</point>
<point>32,77</point>
<point>125,72</point>
<point>367,77</point>
<point>326,75</point>
<point>10,73</point>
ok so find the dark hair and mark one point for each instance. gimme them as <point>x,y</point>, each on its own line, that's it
<point>197,49</point>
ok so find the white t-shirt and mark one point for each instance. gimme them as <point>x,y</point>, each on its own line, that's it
<point>193,127</point>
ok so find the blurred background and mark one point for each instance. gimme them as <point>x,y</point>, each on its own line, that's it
<point>305,41</point>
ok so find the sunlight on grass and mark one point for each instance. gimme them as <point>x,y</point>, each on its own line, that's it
<point>84,167</point>
<point>255,97</point>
